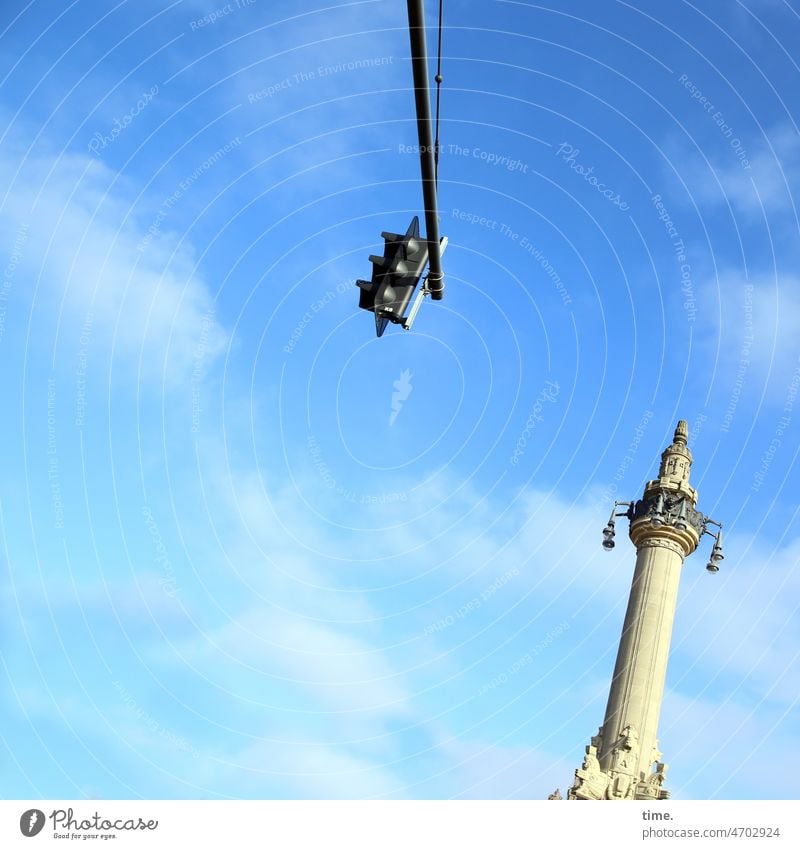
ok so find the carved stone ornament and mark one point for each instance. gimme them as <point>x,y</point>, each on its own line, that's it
<point>652,787</point>
<point>624,757</point>
<point>621,787</point>
<point>590,781</point>
<point>656,542</point>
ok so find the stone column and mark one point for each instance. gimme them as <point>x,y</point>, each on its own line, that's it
<point>623,761</point>
<point>637,688</point>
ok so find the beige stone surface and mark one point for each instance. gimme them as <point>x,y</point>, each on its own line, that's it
<point>623,760</point>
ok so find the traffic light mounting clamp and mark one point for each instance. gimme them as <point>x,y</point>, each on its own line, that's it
<point>422,294</point>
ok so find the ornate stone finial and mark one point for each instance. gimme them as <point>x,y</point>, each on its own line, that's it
<point>676,460</point>
<point>666,515</point>
<point>556,794</point>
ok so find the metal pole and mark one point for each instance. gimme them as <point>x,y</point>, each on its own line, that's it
<point>419,63</point>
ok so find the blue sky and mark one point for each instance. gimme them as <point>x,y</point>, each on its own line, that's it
<point>233,566</point>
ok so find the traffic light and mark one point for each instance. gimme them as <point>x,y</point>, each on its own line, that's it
<point>394,277</point>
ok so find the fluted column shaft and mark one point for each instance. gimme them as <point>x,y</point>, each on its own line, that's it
<point>641,668</point>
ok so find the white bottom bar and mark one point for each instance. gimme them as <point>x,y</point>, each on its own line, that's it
<point>401,825</point>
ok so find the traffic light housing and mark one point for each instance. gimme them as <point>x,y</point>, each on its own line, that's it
<point>394,277</point>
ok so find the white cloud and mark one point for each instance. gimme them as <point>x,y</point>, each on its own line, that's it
<point>484,770</point>
<point>724,750</point>
<point>750,334</point>
<point>341,672</point>
<point>741,628</point>
<point>149,307</point>
<point>306,769</point>
<point>766,188</point>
